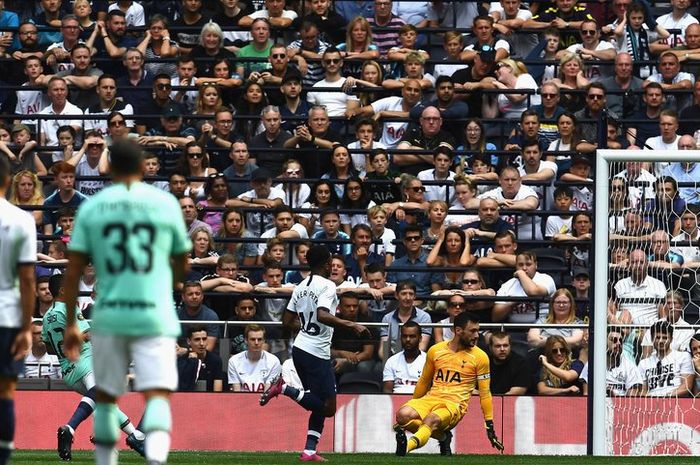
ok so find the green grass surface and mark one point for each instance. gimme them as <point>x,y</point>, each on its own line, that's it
<point>232,458</point>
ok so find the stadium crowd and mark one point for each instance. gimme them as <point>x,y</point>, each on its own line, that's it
<point>442,151</point>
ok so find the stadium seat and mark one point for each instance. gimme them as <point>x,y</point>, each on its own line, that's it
<point>33,384</point>
<point>358,383</point>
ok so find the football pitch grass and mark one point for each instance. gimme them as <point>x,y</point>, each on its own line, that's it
<point>267,458</point>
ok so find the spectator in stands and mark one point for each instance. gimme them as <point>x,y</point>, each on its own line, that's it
<point>218,138</point>
<point>622,87</point>
<point>91,161</point>
<point>157,102</point>
<point>360,255</point>
<point>341,168</point>
<point>316,134</point>
<point>238,174</point>
<point>81,76</point>
<point>671,310</point>
<point>352,9</point>
<point>135,84</point>
<point>689,115</point>
<point>107,103</point>
<point>27,189</point>
<point>571,76</point>
<point>654,100</point>
<point>451,108</point>
<point>456,304</point>
<point>392,108</point>
<point>483,32</point>
<point>428,136</point>
<point>512,75</point>
<point>284,227</point>
<point>355,196</point>
<point>453,43</point>
<point>329,220</point>
<point>568,140</point>
<point>476,77</point>
<point>209,49</point>
<point>199,364</point>
<point>564,15</point>
<point>322,197</point>
<point>191,17</point>
<point>471,165</point>
<point>232,228</point>
<point>622,378</point>
<point>216,195</point>
<point>114,43</point>
<point>259,48</point>
<point>450,251</point>
<point>44,298</point>
<point>509,18</point>
<point>526,282</point>
<point>402,370</point>
<point>666,372</point>
<point>275,14</point>
<point>442,159</point>
<point>310,47</point>
<point>254,369</point>
<point>64,196</point>
<point>678,19</point>
<point>665,209</point>
<point>592,49</point>
<point>38,363</point>
<point>349,352</point>
<point>57,55</point>
<point>279,65</point>
<point>273,137</point>
<point>508,378</point>
<point>562,311</point>
<point>337,103</point>
<point>51,16</point>
<point>533,168</point>
<point>330,24</point>
<point>559,375</point>
<point>549,110</point>
<point>661,257</point>
<point>193,310</point>
<point>415,263</point>
<point>203,252</point>
<point>689,233</point>
<point>358,46</point>
<point>382,237</point>
<point>465,191</point>
<point>262,194</point>
<point>375,285</point>
<point>487,227</point>
<point>157,44</point>
<point>560,224</point>
<point>177,184</point>
<point>529,130</point>
<point>295,193</point>
<point>194,162</point>
<point>184,76</point>
<point>297,276</point>
<point>406,310</point>
<point>671,77</point>
<point>59,105</point>
<point>189,213</point>
<point>595,103</point>
<point>388,22</point>
<point>695,352</point>
<point>546,51</point>
<point>117,128</point>
<point>170,134</point>
<point>639,285</point>
<point>339,275</point>
<point>28,47</point>
<point>21,151</point>
<point>668,128</point>
<point>365,131</point>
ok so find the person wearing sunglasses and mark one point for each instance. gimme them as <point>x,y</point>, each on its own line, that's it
<point>91,161</point>
<point>117,128</point>
<point>414,263</point>
<point>295,193</point>
<point>336,103</point>
<point>158,101</point>
<point>596,102</point>
<point>622,377</point>
<point>592,48</point>
<point>456,304</point>
<point>559,373</point>
<point>108,103</point>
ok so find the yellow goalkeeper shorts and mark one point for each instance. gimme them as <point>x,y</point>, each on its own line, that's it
<point>449,413</point>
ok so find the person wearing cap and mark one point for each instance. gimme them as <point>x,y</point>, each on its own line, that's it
<point>311,48</point>
<point>483,30</point>
<point>155,102</point>
<point>581,284</point>
<point>169,134</point>
<point>580,171</point>
<point>294,110</point>
<point>263,197</point>
<point>477,76</point>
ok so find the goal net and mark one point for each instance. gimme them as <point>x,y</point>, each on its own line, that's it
<point>646,262</point>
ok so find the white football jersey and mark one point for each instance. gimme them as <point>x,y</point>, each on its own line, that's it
<point>313,292</point>
<point>17,246</point>
<point>663,376</point>
<point>404,375</point>
<point>253,376</point>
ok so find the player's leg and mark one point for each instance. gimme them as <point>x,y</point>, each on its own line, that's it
<point>436,424</point>
<point>410,419</point>
<point>65,433</point>
<point>155,370</point>
<point>111,363</point>
<point>308,398</point>
<point>9,369</point>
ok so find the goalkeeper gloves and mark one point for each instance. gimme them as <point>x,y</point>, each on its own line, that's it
<point>493,439</point>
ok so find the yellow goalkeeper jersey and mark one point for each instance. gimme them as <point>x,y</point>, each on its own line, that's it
<point>452,376</point>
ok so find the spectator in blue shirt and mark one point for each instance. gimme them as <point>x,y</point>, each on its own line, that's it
<point>416,260</point>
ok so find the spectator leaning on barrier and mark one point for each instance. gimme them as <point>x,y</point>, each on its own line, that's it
<point>405,311</point>
<point>193,309</point>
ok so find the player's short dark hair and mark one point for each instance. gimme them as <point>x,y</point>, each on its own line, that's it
<point>661,326</point>
<point>55,284</point>
<point>411,324</point>
<point>407,284</point>
<point>463,318</point>
<point>127,158</point>
<point>375,267</point>
<point>194,329</point>
<point>317,256</point>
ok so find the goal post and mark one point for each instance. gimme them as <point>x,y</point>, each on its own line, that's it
<point>601,405</point>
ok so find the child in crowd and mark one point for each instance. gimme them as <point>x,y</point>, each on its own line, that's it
<point>21,151</point>
<point>151,167</point>
<point>560,224</point>
<point>580,171</point>
<point>382,237</point>
<point>330,222</point>
<point>408,36</point>
<point>365,130</point>
<point>633,36</point>
<point>67,140</point>
<point>382,192</point>
<point>186,70</point>
<point>442,160</point>
<point>453,43</point>
<point>296,276</point>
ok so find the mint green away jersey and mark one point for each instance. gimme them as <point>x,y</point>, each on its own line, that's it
<point>130,233</point>
<point>52,334</point>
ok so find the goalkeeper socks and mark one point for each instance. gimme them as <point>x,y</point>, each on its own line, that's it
<point>412,425</point>
<point>313,435</point>
<point>7,429</point>
<point>82,412</point>
<point>157,423</point>
<point>419,438</point>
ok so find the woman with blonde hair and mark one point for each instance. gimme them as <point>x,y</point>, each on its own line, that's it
<point>207,103</point>
<point>562,310</point>
<point>371,75</point>
<point>571,77</point>
<point>559,375</point>
<point>26,189</point>
<point>512,75</point>
<point>358,46</point>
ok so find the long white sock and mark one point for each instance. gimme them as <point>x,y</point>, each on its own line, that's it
<point>129,428</point>
<point>157,446</point>
<point>105,455</point>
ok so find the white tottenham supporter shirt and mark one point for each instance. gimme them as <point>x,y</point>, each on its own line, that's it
<point>663,376</point>
<point>621,378</point>
<point>642,312</point>
<point>404,375</point>
<point>17,246</point>
<point>253,375</point>
<point>312,293</point>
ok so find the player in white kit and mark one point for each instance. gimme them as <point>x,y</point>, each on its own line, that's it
<point>311,311</point>
<point>17,257</point>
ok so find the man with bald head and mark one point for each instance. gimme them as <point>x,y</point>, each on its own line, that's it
<point>427,136</point>
<point>639,285</point>
<point>623,87</point>
<point>487,227</point>
<point>686,171</point>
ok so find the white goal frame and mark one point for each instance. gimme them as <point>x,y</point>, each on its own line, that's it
<point>600,301</point>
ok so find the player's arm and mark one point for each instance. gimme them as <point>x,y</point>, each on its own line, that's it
<point>325,317</point>
<point>180,267</point>
<point>72,339</point>
<point>290,321</point>
<point>484,383</point>
<point>27,286</point>
<point>426,377</point>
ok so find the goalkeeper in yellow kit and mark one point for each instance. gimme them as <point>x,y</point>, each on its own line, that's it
<point>451,372</point>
